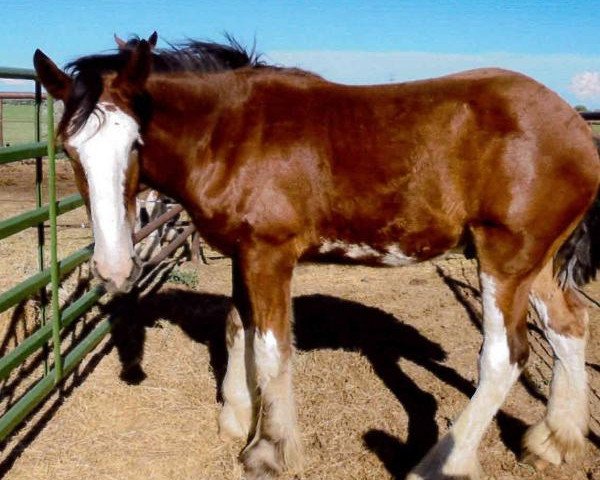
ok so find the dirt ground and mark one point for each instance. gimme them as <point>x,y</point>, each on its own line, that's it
<point>386,359</point>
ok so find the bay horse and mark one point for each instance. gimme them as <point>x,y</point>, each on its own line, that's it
<point>277,165</point>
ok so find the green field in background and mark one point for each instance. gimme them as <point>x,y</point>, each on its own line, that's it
<point>19,123</point>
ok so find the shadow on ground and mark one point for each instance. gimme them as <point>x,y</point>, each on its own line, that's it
<point>321,322</point>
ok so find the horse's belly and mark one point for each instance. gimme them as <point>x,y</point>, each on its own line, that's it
<point>362,253</point>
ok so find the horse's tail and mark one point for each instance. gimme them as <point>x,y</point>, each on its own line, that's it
<point>578,260</point>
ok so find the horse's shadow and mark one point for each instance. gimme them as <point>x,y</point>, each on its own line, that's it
<point>321,322</point>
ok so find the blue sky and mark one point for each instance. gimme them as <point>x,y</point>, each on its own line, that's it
<point>558,43</point>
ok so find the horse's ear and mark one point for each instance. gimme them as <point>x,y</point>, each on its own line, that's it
<point>152,39</point>
<point>137,69</point>
<point>56,82</point>
<point>122,44</point>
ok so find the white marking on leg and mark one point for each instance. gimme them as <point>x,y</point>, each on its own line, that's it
<point>267,357</point>
<point>103,145</point>
<point>495,354</point>
<point>569,355</point>
<point>496,376</point>
<point>236,416</point>
<point>560,435</point>
<point>276,443</point>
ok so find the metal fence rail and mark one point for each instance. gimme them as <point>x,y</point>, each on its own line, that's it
<point>51,328</point>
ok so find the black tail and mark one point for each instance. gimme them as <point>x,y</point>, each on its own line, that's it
<point>578,260</point>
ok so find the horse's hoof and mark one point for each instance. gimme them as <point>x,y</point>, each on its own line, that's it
<point>534,461</point>
<point>444,461</point>
<point>265,459</point>
<point>544,444</point>
<point>262,461</point>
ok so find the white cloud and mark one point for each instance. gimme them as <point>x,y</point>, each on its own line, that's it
<point>586,85</point>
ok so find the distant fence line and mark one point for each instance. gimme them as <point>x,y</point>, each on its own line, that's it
<point>19,96</point>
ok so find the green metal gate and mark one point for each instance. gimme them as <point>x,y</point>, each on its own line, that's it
<point>53,320</point>
<point>58,320</point>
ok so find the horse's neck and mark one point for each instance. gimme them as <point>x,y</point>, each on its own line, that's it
<point>182,114</point>
<point>182,120</point>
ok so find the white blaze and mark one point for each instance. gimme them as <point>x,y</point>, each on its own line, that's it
<point>103,145</point>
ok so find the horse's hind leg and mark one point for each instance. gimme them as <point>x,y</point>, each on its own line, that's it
<point>239,386</point>
<point>505,290</point>
<point>561,434</point>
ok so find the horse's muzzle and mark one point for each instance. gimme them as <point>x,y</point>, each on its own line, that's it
<point>116,285</point>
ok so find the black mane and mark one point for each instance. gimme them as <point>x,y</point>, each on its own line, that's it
<point>191,56</point>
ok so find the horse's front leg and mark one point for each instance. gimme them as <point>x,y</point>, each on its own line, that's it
<point>239,384</point>
<point>267,274</point>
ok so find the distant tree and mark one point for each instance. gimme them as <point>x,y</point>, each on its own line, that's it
<point>581,108</point>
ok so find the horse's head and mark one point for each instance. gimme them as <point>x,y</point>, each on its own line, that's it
<point>100,131</point>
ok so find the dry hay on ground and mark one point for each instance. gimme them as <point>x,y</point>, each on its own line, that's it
<point>386,359</point>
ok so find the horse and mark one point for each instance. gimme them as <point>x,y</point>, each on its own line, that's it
<point>277,166</point>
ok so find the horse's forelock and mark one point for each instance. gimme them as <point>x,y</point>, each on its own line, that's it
<point>85,93</point>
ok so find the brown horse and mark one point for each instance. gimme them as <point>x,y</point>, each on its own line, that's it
<point>278,165</point>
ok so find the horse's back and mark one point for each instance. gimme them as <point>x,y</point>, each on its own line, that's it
<point>416,165</point>
<point>409,168</point>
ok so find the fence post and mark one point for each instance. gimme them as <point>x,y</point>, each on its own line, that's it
<point>54,267</point>
<point>1,121</point>
<point>39,177</point>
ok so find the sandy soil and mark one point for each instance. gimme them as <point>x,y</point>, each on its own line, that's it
<point>386,359</point>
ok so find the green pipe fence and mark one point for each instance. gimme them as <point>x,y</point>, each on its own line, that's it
<point>38,216</point>
<point>49,330</point>
<point>52,326</point>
